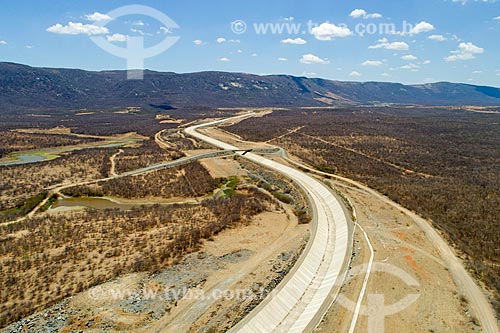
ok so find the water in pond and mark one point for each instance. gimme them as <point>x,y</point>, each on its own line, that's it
<point>47,154</point>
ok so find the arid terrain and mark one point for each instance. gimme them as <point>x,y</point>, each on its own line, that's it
<point>179,235</point>
<point>81,248</point>
<point>250,166</point>
<point>440,163</point>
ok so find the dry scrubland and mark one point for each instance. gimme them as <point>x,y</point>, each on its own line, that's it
<point>22,182</point>
<point>191,180</point>
<point>147,154</point>
<point>51,256</point>
<point>14,141</point>
<point>47,258</point>
<point>105,122</point>
<point>23,186</point>
<point>180,141</point>
<point>443,164</point>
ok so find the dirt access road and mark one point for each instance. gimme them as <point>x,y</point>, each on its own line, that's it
<point>454,296</point>
<point>477,301</point>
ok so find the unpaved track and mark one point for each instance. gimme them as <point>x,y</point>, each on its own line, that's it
<point>160,142</point>
<point>112,170</point>
<point>478,301</point>
<point>354,151</point>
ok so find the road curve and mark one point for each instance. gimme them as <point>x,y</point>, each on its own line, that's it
<point>301,299</point>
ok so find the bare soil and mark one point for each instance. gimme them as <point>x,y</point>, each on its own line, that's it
<point>248,257</point>
<point>398,241</point>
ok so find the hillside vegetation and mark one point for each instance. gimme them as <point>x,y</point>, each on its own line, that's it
<point>34,88</point>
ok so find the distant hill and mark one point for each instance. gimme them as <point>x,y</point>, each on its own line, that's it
<point>29,87</point>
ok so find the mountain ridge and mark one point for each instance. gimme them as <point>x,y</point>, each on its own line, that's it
<point>23,86</point>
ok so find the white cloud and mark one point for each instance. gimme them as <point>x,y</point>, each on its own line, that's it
<point>138,23</point>
<point>2,42</point>
<point>477,72</point>
<point>309,73</point>
<point>384,44</point>
<point>374,63</point>
<point>409,57</point>
<point>198,42</point>
<point>401,46</point>
<point>355,74</point>
<point>357,13</point>
<point>465,51</point>
<point>463,2</point>
<point>221,40</point>
<point>297,41</point>
<point>361,13</point>
<point>282,59</point>
<point>98,17</point>
<point>255,55</point>
<point>497,18</point>
<point>422,27</point>
<point>29,46</point>
<point>386,74</point>
<point>462,56</point>
<point>309,59</point>
<point>438,38</point>
<point>426,62</point>
<point>78,29</point>
<point>328,31</point>
<point>224,59</point>
<point>410,66</point>
<point>117,38</point>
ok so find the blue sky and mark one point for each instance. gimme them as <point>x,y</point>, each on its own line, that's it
<point>450,40</point>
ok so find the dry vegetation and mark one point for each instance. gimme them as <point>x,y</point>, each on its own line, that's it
<point>179,140</point>
<point>190,180</point>
<point>14,141</point>
<point>20,183</point>
<point>145,121</point>
<point>148,153</point>
<point>47,258</point>
<point>280,188</point>
<point>94,122</point>
<point>442,164</point>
